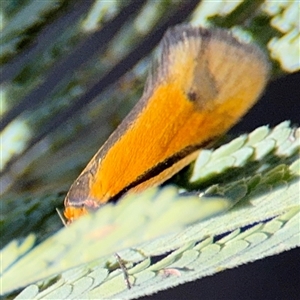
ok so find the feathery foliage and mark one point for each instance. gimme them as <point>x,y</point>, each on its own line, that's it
<point>62,66</point>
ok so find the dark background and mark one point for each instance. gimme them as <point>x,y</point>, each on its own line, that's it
<point>280,102</point>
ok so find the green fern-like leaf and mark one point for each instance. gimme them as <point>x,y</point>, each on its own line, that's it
<point>236,204</point>
<point>166,221</point>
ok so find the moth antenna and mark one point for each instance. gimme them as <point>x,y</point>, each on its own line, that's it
<point>61,217</point>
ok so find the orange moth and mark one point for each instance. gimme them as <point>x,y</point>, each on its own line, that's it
<point>204,81</point>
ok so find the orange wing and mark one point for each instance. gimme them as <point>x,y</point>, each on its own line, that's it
<point>206,80</point>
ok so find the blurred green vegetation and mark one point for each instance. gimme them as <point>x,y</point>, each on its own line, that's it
<point>70,73</point>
